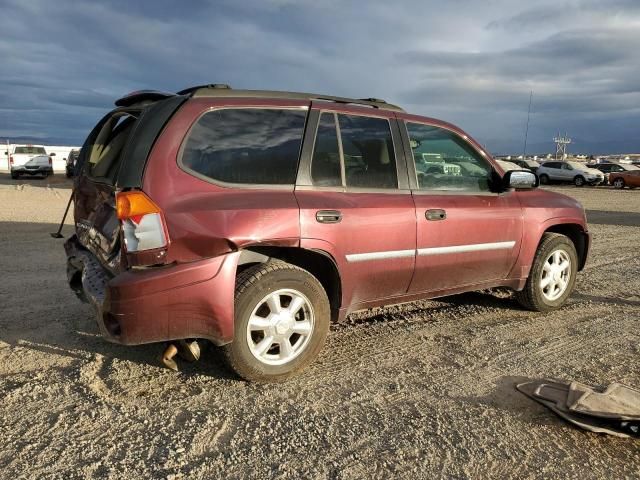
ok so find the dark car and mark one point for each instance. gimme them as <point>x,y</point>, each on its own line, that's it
<point>253,219</point>
<point>527,164</point>
<point>70,166</point>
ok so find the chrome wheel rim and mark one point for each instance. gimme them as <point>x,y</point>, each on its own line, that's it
<point>280,327</point>
<point>556,273</point>
<point>579,181</point>
<point>618,183</point>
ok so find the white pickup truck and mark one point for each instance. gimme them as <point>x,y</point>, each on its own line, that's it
<point>30,160</point>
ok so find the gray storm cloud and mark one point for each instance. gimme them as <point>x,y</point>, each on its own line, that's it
<point>472,63</point>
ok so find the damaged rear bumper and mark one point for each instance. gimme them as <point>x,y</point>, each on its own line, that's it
<point>193,300</point>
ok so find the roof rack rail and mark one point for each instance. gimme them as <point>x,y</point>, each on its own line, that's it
<point>187,91</point>
<point>216,90</point>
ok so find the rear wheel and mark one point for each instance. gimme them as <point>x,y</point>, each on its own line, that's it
<point>618,183</point>
<point>578,181</point>
<point>282,318</point>
<point>544,179</point>
<point>552,276</point>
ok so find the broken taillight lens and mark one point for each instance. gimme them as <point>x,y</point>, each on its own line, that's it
<point>142,222</point>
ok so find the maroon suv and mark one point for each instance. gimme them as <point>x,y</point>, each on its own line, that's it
<point>253,219</point>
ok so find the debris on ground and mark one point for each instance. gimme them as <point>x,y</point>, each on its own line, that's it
<point>615,410</point>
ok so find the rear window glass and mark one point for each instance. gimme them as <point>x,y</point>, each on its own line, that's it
<point>246,145</point>
<point>105,154</point>
<point>30,151</point>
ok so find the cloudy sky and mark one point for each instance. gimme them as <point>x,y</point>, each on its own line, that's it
<point>469,62</point>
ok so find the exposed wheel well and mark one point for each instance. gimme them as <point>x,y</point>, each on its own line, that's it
<point>577,235</point>
<point>319,264</point>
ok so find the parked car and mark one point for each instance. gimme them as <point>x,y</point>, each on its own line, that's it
<point>508,165</point>
<point>629,176</point>
<point>606,168</point>
<point>527,164</point>
<point>70,166</point>
<point>253,219</point>
<point>30,160</point>
<point>577,173</point>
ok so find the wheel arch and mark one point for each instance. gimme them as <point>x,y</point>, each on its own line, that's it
<point>317,262</point>
<point>576,234</point>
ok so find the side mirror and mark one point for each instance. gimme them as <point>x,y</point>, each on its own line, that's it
<point>520,180</point>
<point>6,152</point>
<point>52,154</point>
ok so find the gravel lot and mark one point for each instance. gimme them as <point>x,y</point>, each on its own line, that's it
<point>422,390</point>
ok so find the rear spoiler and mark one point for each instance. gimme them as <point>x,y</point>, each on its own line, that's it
<point>139,96</point>
<point>142,96</point>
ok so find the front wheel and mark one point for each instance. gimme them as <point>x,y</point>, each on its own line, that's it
<point>282,317</point>
<point>618,183</point>
<point>552,276</point>
<point>578,181</point>
<point>15,176</point>
<point>544,179</point>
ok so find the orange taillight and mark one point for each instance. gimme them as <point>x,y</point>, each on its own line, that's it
<point>134,204</point>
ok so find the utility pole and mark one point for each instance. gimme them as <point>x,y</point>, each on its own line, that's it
<point>526,132</point>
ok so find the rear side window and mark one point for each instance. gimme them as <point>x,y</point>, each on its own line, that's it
<point>30,151</point>
<point>552,165</point>
<point>369,160</point>
<point>246,145</point>
<point>325,165</point>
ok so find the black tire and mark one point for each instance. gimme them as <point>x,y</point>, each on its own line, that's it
<point>579,181</point>
<point>531,297</point>
<point>544,179</point>
<point>619,183</point>
<point>252,286</point>
<point>15,176</point>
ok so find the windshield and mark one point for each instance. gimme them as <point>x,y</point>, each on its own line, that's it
<point>30,150</point>
<point>630,167</point>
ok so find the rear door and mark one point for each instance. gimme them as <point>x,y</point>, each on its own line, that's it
<point>354,200</point>
<point>466,233</point>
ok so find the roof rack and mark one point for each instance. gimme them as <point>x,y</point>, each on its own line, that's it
<point>223,90</point>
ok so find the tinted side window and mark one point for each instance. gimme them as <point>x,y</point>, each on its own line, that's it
<point>552,165</point>
<point>325,165</point>
<point>369,159</point>
<point>246,145</point>
<point>445,161</point>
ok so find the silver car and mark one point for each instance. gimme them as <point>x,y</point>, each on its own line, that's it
<point>569,171</point>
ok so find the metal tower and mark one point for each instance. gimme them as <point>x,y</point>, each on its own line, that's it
<point>561,142</point>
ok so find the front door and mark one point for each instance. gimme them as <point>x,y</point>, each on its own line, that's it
<point>355,203</point>
<point>466,233</point>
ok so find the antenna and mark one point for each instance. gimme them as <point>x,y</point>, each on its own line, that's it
<point>561,145</point>
<point>526,132</point>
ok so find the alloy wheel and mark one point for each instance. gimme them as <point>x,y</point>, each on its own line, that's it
<point>555,275</point>
<point>280,327</point>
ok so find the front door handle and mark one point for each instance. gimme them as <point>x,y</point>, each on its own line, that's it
<point>435,214</point>
<point>328,216</point>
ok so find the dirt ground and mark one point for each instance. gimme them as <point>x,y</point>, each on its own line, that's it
<point>423,390</point>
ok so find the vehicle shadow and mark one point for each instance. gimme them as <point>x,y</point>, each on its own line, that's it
<point>610,300</point>
<point>57,180</point>
<point>498,298</point>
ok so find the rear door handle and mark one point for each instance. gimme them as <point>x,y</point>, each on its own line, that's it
<point>435,214</point>
<point>328,216</point>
